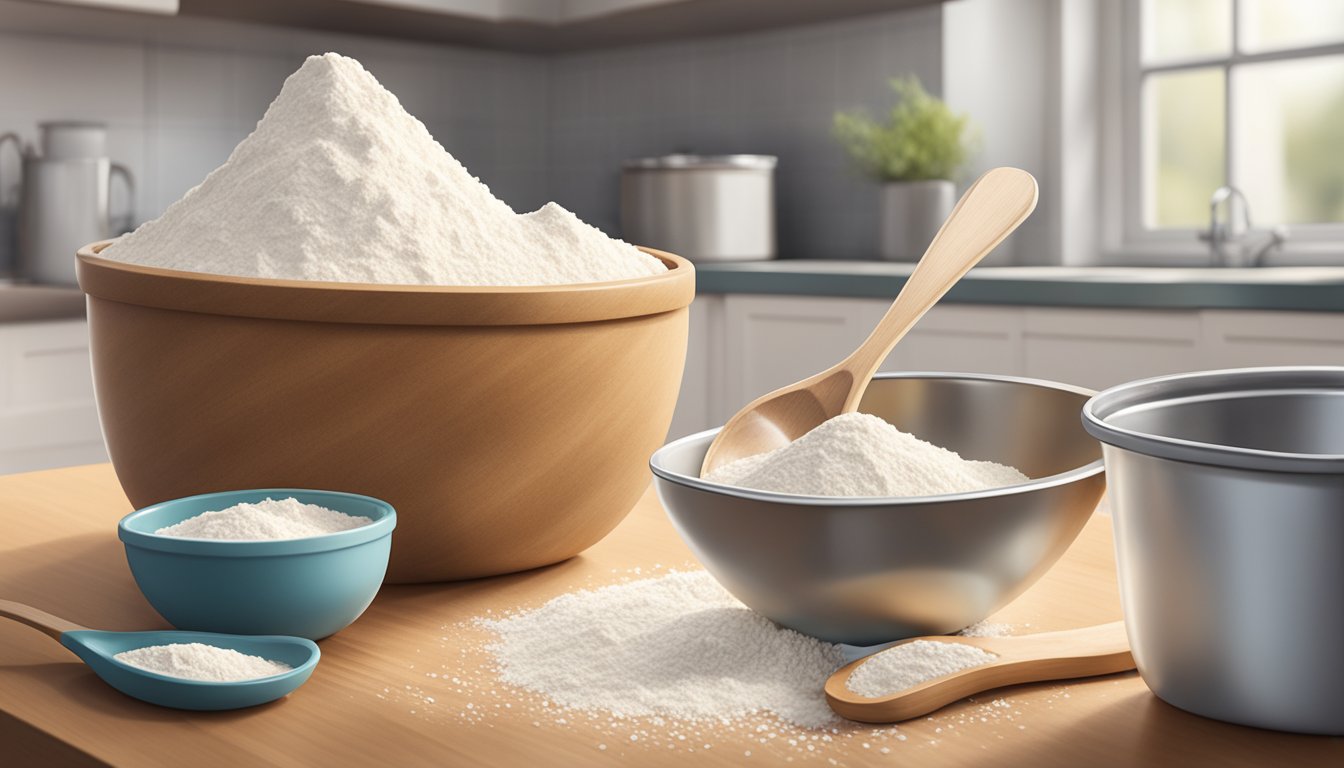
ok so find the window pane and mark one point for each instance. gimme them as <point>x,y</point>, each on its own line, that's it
<point>1183,140</point>
<point>1267,25</point>
<point>1185,29</point>
<point>1289,129</point>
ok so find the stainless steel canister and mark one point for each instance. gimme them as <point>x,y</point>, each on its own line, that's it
<point>65,200</point>
<point>706,208</point>
<point>1227,490</point>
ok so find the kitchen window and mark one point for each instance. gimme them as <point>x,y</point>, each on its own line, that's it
<point>1242,92</point>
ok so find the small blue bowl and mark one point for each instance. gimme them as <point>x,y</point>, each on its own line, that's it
<point>311,587</point>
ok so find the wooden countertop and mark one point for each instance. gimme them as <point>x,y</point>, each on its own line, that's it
<point>373,700</point>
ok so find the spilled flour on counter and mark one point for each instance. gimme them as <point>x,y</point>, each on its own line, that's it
<point>197,661</point>
<point>858,454</point>
<point>662,662</point>
<point>905,666</point>
<point>265,520</point>
<point>339,183</point>
<point>676,646</point>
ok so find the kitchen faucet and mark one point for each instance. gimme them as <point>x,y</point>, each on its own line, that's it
<point>1222,234</point>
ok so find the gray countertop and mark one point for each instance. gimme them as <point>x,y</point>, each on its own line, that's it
<point>1283,288</point>
<point>23,303</point>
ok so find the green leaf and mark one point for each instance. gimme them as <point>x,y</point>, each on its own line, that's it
<point>921,139</point>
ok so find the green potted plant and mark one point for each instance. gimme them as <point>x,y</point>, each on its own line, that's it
<point>915,154</point>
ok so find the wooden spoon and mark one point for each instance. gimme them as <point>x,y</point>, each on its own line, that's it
<point>989,211</point>
<point>1099,650</point>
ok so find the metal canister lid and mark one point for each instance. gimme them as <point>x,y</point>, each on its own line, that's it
<point>685,162</point>
<point>1319,390</point>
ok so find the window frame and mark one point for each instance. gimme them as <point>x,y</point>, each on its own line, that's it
<point>1140,240</point>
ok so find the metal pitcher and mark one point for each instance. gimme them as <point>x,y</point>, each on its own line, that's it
<point>64,202</point>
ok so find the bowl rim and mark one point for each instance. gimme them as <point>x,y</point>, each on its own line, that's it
<point>385,304</point>
<point>1208,385</point>
<point>380,528</point>
<point>1090,469</point>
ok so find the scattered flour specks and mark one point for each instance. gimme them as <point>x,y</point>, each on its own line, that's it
<point>987,629</point>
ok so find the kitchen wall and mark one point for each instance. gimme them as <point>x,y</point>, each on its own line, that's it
<point>180,93</point>
<point>176,109</point>
<point>771,93</point>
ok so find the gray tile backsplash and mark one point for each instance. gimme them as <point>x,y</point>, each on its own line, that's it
<point>771,93</point>
<point>533,128</point>
<point>176,112</point>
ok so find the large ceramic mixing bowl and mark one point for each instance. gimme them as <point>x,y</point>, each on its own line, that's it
<point>869,570</point>
<point>508,426</point>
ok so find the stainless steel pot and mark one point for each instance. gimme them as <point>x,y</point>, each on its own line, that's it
<point>1227,490</point>
<point>706,208</point>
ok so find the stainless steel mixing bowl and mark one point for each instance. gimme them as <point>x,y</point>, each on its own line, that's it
<point>869,570</point>
<point>1227,490</point>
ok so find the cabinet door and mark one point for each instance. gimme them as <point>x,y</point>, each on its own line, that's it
<point>1098,348</point>
<point>776,340</point>
<point>961,338</point>
<point>701,396</point>
<point>1237,339</point>
<point>47,413</point>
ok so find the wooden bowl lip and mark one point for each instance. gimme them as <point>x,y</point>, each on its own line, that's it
<point>232,295</point>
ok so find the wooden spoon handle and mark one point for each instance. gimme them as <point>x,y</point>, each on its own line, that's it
<point>54,626</point>
<point>990,210</point>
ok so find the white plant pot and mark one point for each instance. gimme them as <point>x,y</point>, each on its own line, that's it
<point>912,212</point>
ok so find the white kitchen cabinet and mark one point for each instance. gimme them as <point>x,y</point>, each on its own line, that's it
<point>1098,348</point>
<point>770,341</point>
<point>47,412</point>
<point>702,382</point>
<point>758,343</point>
<point>1237,339</point>
<point>962,338</point>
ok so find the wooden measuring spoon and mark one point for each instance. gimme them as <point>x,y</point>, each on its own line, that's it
<point>989,211</point>
<point>1099,650</point>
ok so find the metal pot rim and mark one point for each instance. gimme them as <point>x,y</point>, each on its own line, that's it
<point>1033,484</point>
<point>684,162</point>
<point>1210,385</point>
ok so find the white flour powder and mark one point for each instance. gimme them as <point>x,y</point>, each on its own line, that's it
<point>858,454</point>
<point>265,520</point>
<point>675,646</point>
<point>197,661</point>
<point>340,183</point>
<point>907,665</point>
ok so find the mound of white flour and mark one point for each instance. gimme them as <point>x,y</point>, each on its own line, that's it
<point>680,646</point>
<point>675,646</point>
<point>339,183</point>
<point>266,520</point>
<point>198,661</point>
<point>858,454</point>
<point>907,665</point>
